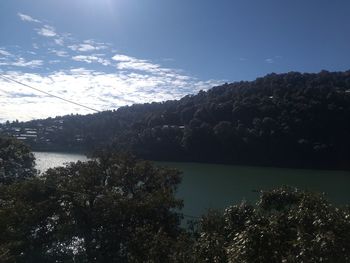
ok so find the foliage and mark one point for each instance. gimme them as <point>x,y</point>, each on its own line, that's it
<point>16,161</point>
<point>293,120</point>
<point>286,225</point>
<point>111,209</point>
<point>116,208</point>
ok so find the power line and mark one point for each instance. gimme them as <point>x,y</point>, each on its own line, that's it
<point>47,93</point>
<point>72,102</point>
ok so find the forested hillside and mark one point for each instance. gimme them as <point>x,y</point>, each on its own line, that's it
<point>293,120</point>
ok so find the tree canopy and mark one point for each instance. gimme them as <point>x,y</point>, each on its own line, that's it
<point>286,225</point>
<point>110,209</point>
<point>16,161</point>
<point>119,209</point>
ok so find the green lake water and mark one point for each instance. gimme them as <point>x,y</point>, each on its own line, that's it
<point>217,186</point>
<point>207,186</point>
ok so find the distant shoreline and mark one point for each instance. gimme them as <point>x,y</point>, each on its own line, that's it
<point>189,162</point>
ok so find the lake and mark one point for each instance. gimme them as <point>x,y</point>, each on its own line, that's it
<point>217,186</point>
<point>46,160</point>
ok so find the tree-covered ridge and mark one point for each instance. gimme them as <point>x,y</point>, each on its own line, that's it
<point>293,119</point>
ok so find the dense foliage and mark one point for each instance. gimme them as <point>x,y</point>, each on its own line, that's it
<point>118,209</point>
<point>111,209</point>
<point>294,119</point>
<point>286,225</point>
<point>16,161</point>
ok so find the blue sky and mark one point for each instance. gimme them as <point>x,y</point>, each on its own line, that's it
<point>110,53</point>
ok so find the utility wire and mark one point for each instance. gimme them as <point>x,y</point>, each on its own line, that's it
<point>72,102</point>
<point>47,93</point>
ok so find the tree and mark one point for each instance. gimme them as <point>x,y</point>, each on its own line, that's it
<point>286,225</point>
<point>16,161</point>
<point>111,209</point>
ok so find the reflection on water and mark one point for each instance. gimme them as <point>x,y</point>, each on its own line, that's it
<point>46,160</point>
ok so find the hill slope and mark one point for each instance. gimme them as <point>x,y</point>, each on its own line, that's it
<point>293,120</point>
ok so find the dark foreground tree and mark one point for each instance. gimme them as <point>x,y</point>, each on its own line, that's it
<point>286,225</point>
<point>111,209</point>
<point>118,209</point>
<point>16,161</point>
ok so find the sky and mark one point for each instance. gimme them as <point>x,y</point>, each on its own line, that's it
<point>109,53</point>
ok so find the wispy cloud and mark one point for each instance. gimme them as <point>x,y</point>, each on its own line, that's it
<point>54,61</point>
<point>92,59</point>
<point>21,62</point>
<point>59,53</point>
<point>122,58</point>
<point>47,31</point>
<point>100,90</point>
<point>28,18</point>
<point>82,47</point>
<point>87,46</point>
<point>273,60</point>
<point>131,63</point>
<point>59,41</point>
<point>73,69</point>
<point>5,53</point>
<point>31,64</point>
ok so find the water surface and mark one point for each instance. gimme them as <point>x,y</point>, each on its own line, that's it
<point>207,186</point>
<point>217,186</point>
<point>46,160</point>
